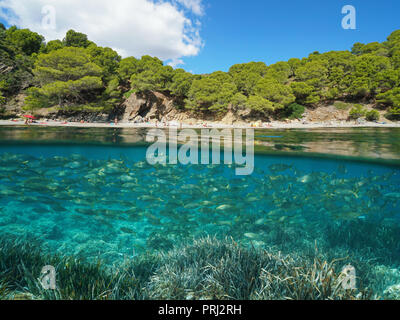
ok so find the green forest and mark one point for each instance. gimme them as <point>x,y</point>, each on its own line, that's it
<point>76,74</point>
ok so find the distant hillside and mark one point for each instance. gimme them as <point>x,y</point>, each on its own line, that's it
<point>75,76</point>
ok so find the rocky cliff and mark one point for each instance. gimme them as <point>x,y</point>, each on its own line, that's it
<point>155,106</point>
<point>151,106</point>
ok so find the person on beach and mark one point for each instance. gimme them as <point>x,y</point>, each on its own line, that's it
<point>116,121</point>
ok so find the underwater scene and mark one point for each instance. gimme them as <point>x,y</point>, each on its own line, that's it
<point>87,202</point>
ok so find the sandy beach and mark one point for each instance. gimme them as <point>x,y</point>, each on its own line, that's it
<point>271,125</point>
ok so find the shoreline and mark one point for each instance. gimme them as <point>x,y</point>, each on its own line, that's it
<point>272,125</point>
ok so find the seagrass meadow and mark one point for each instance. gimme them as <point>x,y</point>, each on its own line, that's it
<point>114,227</point>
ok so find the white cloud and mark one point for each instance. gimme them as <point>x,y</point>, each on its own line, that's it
<point>132,27</point>
<point>195,6</point>
<point>176,62</point>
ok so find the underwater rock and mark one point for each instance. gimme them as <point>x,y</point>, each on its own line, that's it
<point>279,167</point>
<point>55,233</point>
<point>81,237</point>
<point>158,242</point>
<point>127,230</point>
<point>391,274</point>
<point>392,292</point>
<point>24,297</point>
<point>95,248</point>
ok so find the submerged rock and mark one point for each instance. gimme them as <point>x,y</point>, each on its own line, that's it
<point>392,292</point>
<point>55,234</point>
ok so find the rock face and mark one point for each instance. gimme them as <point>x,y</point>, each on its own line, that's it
<point>157,106</point>
<point>80,116</point>
<point>153,106</point>
<point>14,107</point>
<point>326,113</point>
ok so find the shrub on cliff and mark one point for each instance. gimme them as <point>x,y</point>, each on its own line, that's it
<point>2,98</point>
<point>74,75</point>
<point>294,111</point>
<point>211,93</point>
<point>24,40</point>
<point>390,98</point>
<point>393,114</point>
<point>304,93</point>
<point>151,75</point>
<point>358,111</point>
<point>278,94</point>
<point>372,115</point>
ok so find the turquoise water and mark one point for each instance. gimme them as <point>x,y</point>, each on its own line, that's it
<point>105,201</point>
<point>108,201</point>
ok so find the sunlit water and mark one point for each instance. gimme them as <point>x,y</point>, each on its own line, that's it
<point>105,201</point>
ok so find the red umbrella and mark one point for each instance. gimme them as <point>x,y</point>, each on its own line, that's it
<point>29,116</point>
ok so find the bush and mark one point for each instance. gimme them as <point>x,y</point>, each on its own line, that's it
<point>358,111</point>
<point>372,115</point>
<point>294,111</point>
<point>342,105</point>
<point>390,98</point>
<point>393,114</point>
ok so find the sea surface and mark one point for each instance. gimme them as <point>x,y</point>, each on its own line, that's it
<point>91,193</point>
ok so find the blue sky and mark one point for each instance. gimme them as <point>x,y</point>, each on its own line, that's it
<point>271,31</point>
<point>238,31</point>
